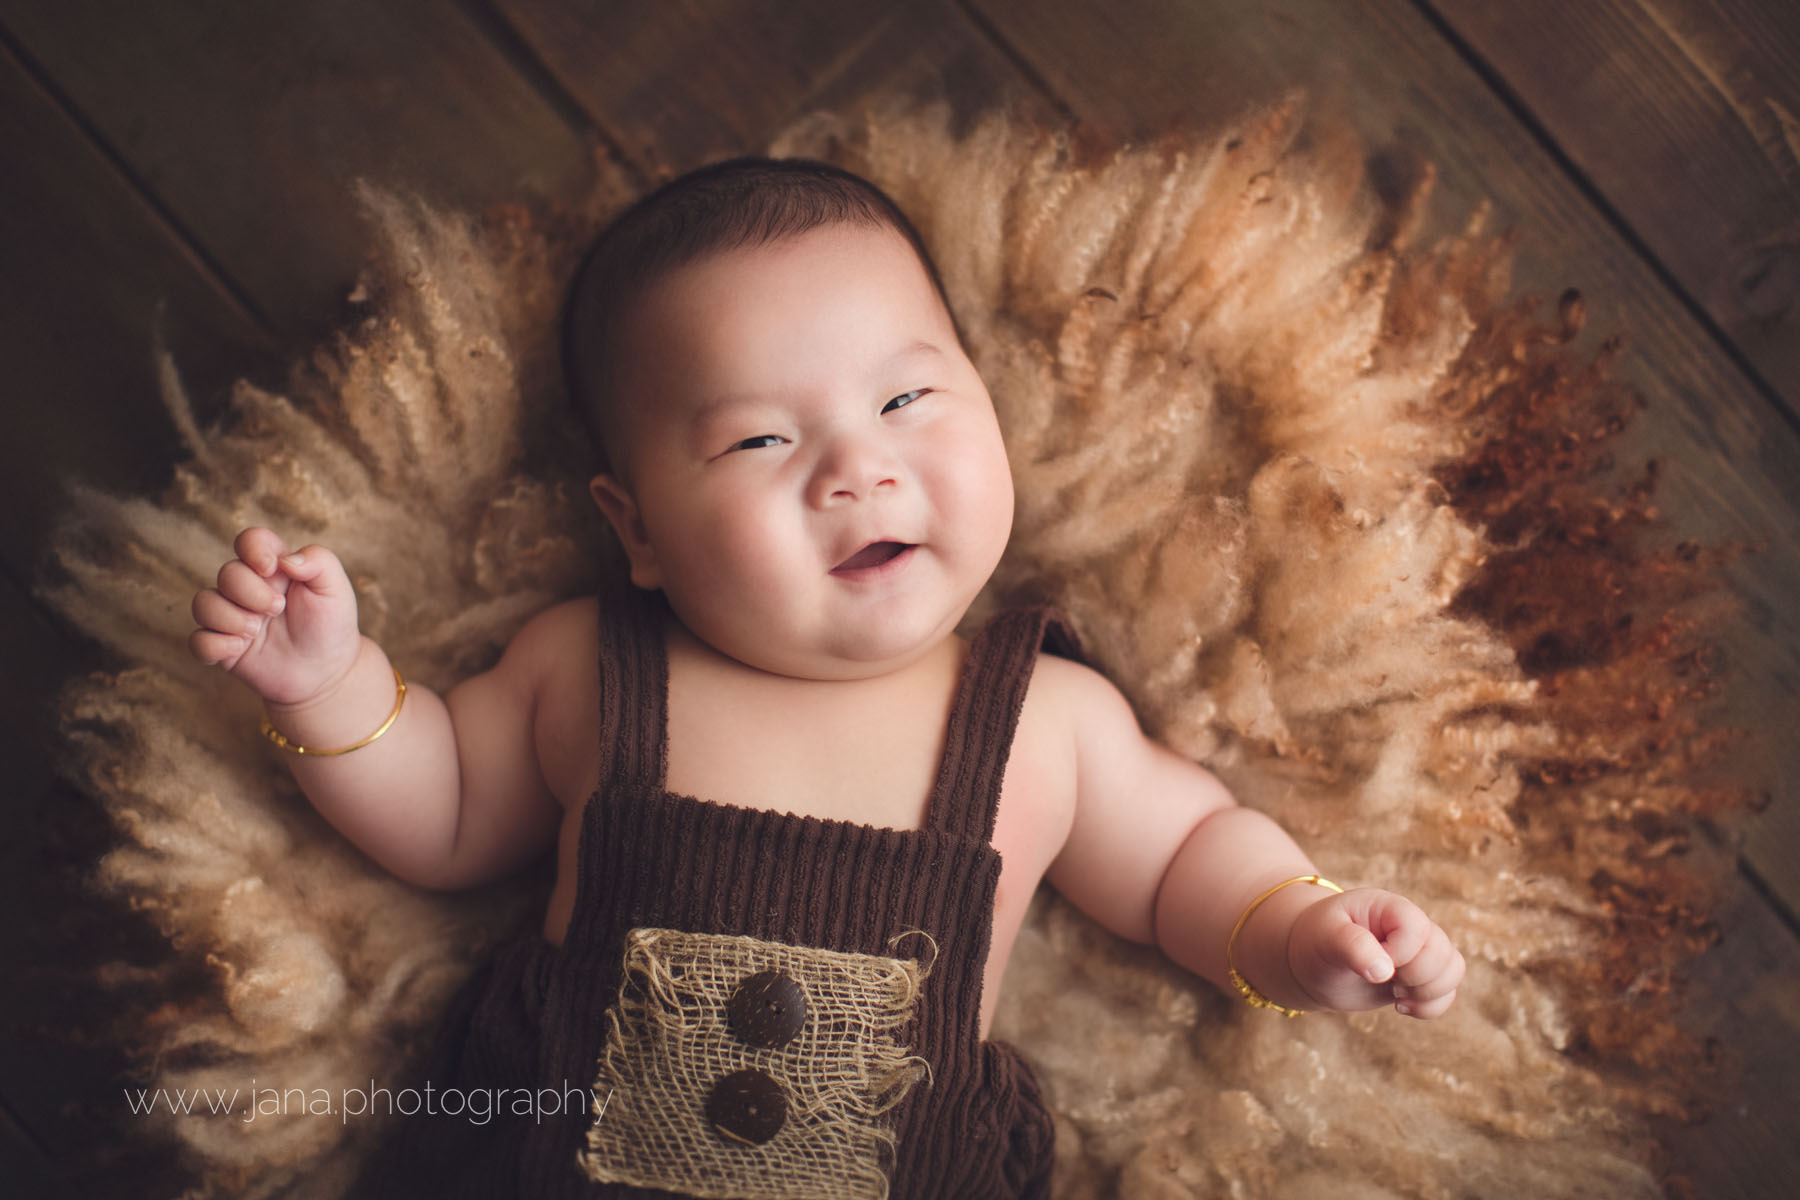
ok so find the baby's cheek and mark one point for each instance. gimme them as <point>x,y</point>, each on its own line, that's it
<point>758,543</point>
<point>989,499</point>
<point>968,474</point>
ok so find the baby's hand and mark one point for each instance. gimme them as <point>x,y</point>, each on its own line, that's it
<point>283,623</point>
<point>1368,948</point>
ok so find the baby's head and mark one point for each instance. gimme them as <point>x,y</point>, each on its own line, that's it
<point>796,448</point>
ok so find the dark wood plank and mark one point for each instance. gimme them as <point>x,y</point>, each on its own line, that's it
<point>1748,998</point>
<point>248,122</point>
<point>38,656</point>
<point>1685,114</point>
<point>91,270</point>
<point>617,61</point>
<point>1382,67</point>
<point>24,1167</point>
<point>933,51</point>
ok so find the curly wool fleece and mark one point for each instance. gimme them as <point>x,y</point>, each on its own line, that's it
<point>1298,482</point>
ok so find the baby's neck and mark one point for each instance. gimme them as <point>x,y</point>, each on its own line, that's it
<point>866,750</point>
<point>701,660</point>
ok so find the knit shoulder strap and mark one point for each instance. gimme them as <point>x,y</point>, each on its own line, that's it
<point>985,715</point>
<point>633,686</point>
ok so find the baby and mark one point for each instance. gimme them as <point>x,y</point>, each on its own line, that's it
<point>775,742</point>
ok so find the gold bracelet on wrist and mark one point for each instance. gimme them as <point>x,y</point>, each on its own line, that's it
<point>1252,997</point>
<point>275,735</point>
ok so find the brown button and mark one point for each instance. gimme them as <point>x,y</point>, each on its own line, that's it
<point>747,1106</point>
<point>767,1009</point>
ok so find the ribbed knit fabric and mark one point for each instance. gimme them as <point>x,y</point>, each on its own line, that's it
<point>648,857</point>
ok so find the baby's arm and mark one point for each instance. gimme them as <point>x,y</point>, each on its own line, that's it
<point>1160,852</point>
<point>451,794</point>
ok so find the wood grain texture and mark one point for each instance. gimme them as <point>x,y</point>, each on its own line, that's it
<point>1747,997</point>
<point>1685,114</point>
<point>24,1167</point>
<point>1383,68</point>
<point>91,271</point>
<point>618,62</point>
<point>32,1097</point>
<point>249,121</point>
<point>740,73</point>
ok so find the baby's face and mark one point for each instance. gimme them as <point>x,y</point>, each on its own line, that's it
<point>799,412</point>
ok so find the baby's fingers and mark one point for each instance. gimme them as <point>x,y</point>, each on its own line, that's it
<point>316,567</point>
<point>1354,948</point>
<point>259,547</point>
<point>1435,961</point>
<point>1426,986</point>
<point>1426,1010</point>
<point>215,612</point>
<point>241,585</point>
<point>210,647</point>
<point>227,630</point>
<point>1401,925</point>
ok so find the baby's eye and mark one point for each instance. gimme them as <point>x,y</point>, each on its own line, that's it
<point>901,401</point>
<point>758,442</point>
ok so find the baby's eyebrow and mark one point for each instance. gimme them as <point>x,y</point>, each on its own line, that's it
<point>708,410</point>
<point>916,347</point>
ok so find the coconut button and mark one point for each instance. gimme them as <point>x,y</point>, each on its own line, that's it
<point>747,1106</point>
<point>767,1009</point>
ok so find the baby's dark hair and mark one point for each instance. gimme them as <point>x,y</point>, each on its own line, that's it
<point>740,203</point>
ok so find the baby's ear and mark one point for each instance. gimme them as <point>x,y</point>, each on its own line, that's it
<point>622,512</point>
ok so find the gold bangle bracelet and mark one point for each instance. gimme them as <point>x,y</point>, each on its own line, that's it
<point>275,735</point>
<point>1252,997</point>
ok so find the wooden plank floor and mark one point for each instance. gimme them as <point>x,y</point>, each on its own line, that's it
<point>183,174</point>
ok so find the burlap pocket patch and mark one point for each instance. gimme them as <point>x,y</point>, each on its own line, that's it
<point>739,1068</point>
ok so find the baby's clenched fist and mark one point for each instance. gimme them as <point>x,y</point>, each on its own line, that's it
<point>1368,948</point>
<point>283,622</point>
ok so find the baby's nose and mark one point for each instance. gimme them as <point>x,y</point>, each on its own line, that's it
<point>854,468</point>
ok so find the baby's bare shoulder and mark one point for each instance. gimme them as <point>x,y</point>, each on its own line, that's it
<point>1059,702</point>
<point>558,649</point>
<point>1070,695</point>
<point>561,629</point>
<point>557,653</point>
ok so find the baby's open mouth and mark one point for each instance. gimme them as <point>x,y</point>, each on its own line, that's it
<point>872,555</point>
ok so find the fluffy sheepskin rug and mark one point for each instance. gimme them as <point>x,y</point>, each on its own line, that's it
<point>1325,503</point>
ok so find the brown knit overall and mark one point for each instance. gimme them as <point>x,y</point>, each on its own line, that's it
<point>872,1075</point>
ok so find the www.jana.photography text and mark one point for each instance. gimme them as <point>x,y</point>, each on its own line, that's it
<point>478,1105</point>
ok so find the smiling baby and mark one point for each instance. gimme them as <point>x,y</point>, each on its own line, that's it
<point>797,819</point>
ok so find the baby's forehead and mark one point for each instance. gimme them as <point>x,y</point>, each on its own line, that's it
<point>872,244</point>
<point>765,283</point>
